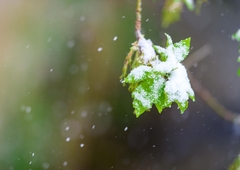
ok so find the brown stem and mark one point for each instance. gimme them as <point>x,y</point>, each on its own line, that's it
<point>138,19</point>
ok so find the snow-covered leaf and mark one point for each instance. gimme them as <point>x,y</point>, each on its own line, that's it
<point>161,79</point>
<point>181,49</point>
<point>148,92</point>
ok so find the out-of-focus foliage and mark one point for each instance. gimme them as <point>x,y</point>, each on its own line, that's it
<point>235,165</point>
<point>199,5</point>
<point>171,12</point>
<point>173,8</point>
<point>236,37</point>
<point>50,55</point>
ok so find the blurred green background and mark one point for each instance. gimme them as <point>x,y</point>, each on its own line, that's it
<point>62,105</point>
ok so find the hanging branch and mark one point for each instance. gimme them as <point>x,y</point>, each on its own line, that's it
<point>138,19</point>
<point>203,93</point>
<point>212,101</point>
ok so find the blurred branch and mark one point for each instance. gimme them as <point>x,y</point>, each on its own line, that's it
<point>203,93</point>
<point>197,56</point>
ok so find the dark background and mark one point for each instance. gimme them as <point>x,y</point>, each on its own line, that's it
<point>62,105</point>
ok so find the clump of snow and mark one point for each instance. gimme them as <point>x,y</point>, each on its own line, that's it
<point>100,49</point>
<point>178,86</point>
<point>115,38</point>
<point>168,65</point>
<point>146,47</point>
<point>156,87</point>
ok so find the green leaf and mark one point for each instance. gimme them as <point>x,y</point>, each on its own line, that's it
<point>182,106</point>
<point>162,52</point>
<point>169,40</point>
<point>189,4</point>
<point>148,92</point>
<point>179,49</point>
<point>235,165</point>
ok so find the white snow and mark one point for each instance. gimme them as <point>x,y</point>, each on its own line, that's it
<point>115,38</point>
<point>100,49</point>
<point>168,65</point>
<point>82,145</point>
<point>45,165</point>
<point>70,44</point>
<point>28,109</point>
<point>148,53</point>
<point>142,97</point>
<point>65,163</point>
<point>67,128</point>
<point>180,53</point>
<point>82,18</point>
<point>84,113</point>
<point>139,72</point>
<point>178,86</point>
<point>158,83</point>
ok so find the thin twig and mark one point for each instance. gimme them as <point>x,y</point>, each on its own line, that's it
<point>211,101</point>
<point>138,19</point>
